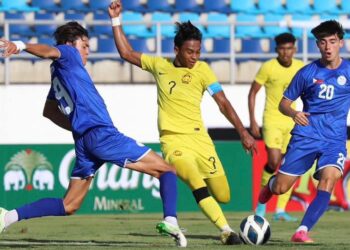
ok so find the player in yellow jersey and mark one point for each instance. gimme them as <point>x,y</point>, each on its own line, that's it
<point>275,75</point>
<point>185,142</point>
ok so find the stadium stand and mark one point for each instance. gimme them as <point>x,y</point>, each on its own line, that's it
<point>253,39</point>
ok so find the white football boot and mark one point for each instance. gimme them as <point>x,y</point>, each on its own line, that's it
<point>3,211</point>
<point>166,228</point>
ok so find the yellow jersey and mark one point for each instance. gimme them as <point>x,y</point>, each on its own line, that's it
<point>180,92</point>
<point>276,79</point>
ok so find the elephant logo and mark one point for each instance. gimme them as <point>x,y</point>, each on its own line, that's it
<point>28,170</point>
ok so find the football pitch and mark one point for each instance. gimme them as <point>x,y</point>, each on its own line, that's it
<point>137,231</point>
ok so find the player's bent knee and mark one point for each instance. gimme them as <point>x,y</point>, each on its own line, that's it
<point>223,197</point>
<point>200,194</point>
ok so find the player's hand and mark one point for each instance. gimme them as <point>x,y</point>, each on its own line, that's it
<point>8,47</point>
<point>115,8</point>
<point>301,118</point>
<point>254,129</point>
<point>248,142</point>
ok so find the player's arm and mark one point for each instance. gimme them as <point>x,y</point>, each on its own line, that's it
<point>40,50</point>
<point>297,116</point>
<point>52,112</point>
<point>125,50</point>
<point>228,111</point>
<point>254,127</point>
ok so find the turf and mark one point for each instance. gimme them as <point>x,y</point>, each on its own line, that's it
<point>137,231</point>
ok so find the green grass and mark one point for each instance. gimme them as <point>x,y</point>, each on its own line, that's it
<point>137,231</point>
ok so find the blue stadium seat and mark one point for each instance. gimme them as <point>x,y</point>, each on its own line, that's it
<point>187,5</point>
<point>193,18</point>
<point>47,40</point>
<point>168,45</point>
<point>217,31</point>
<point>167,30</point>
<point>46,5</point>
<point>18,29</point>
<point>271,31</point>
<point>298,6</point>
<point>134,5</point>
<point>274,6</point>
<point>101,29</point>
<point>312,47</point>
<point>75,5</point>
<point>243,31</point>
<point>95,5</point>
<point>72,16</point>
<point>17,5</point>
<point>139,30</point>
<point>221,46</point>
<point>325,6</point>
<point>44,29</point>
<point>344,7</point>
<point>252,45</point>
<point>217,5</point>
<point>297,31</point>
<point>246,6</point>
<point>106,45</point>
<point>156,5</point>
<point>140,45</point>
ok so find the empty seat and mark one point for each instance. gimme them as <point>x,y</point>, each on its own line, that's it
<point>140,45</point>
<point>167,30</point>
<point>47,5</point>
<point>168,45</point>
<point>216,30</point>
<point>217,5</point>
<point>95,5</point>
<point>252,46</point>
<point>298,31</point>
<point>73,16</point>
<point>134,5</point>
<point>22,29</point>
<point>240,6</point>
<point>298,6</point>
<point>252,30</point>
<point>17,5</point>
<point>275,29</point>
<point>274,6</point>
<point>106,45</point>
<point>221,46</point>
<point>139,30</point>
<point>75,5</point>
<point>101,29</point>
<point>156,5</point>
<point>187,5</point>
<point>44,29</point>
<point>325,6</point>
<point>193,17</point>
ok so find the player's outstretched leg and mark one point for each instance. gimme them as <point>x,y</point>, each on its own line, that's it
<point>3,211</point>
<point>301,237</point>
<point>166,228</point>
<point>265,193</point>
<point>230,238</point>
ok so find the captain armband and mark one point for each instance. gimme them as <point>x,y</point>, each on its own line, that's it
<point>214,88</point>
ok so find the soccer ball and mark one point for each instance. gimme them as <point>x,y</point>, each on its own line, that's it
<point>255,230</point>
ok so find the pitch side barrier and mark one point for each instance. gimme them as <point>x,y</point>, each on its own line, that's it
<point>232,56</point>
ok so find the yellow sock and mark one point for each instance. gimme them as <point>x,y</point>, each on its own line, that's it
<point>213,211</point>
<point>265,178</point>
<point>283,199</point>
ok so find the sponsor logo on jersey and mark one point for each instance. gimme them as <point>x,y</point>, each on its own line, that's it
<point>317,81</point>
<point>28,170</point>
<point>177,153</point>
<point>341,80</point>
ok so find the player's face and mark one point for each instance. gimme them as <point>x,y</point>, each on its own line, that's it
<point>188,54</point>
<point>82,45</point>
<point>285,53</point>
<point>329,47</point>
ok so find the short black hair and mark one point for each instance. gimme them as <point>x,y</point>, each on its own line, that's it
<point>284,38</point>
<point>186,31</point>
<point>328,28</point>
<point>69,32</point>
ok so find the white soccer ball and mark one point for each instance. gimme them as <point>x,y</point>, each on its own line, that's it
<point>255,230</point>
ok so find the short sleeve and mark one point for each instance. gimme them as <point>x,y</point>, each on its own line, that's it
<point>148,62</point>
<point>263,74</point>
<point>208,75</point>
<point>296,87</point>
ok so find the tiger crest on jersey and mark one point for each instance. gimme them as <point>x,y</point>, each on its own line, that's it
<point>186,79</point>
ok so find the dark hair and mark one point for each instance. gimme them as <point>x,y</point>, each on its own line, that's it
<point>69,32</point>
<point>186,31</point>
<point>328,28</point>
<point>284,38</point>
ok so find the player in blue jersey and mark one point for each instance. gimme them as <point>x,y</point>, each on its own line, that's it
<point>74,103</point>
<point>320,130</point>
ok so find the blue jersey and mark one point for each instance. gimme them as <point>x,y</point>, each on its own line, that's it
<point>76,94</point>
<point>325,94</point>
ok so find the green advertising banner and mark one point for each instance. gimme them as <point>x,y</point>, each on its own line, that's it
<point>31,172</point>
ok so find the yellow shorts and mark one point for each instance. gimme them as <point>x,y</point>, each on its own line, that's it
<point>277,135</point>
<point>197,151</point>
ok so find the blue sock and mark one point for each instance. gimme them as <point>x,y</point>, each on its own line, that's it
<point>40,208</point>
<point>316,209</point>
<point>168,192</point>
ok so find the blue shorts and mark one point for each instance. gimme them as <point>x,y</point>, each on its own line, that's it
<point>303,151</point>
<point>104,144</point>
